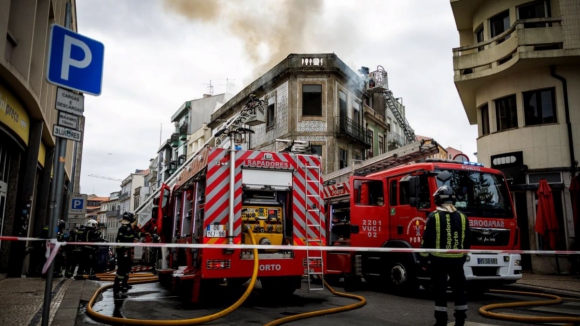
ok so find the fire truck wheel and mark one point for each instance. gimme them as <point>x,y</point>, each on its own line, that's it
<point>401,278</point>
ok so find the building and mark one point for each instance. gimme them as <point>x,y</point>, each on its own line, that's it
<point>443,154</point>
<point>319,99</point>
<point>113,216</point>
<point>200,115</point>
<point>95,211</point>
<point>141,192</point>
<point>27,115</point>
<point>128,187</point>
<point>151,178</point>
<point>452,153</point>
<point>516,72</point>
<point>166,164</point>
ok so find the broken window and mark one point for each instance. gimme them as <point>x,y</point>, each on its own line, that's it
<point>271,112</point>
<point>312,100</point>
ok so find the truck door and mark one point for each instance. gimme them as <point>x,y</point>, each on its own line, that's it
<point>408,221</point>
<point>369,219</point>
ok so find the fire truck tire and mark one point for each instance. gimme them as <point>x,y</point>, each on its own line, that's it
<point>401,278</point>
<point>277,286</point>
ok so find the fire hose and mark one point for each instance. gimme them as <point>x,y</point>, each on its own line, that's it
<point>554,299</point>
<point>191,321</point>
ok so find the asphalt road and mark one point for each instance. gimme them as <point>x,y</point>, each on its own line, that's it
<point>152,301</point>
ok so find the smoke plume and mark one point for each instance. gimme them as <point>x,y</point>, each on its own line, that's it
<point>281,26</point>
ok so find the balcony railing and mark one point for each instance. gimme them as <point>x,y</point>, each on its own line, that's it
<point>124,195</point>
<point>395,140</point>
<point>183,132</point>
<point>112,213</point>
<point>351,129</point>
<point>174,140</point>
<point>524,35</point>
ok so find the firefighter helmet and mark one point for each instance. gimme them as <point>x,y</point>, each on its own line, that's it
<point>129,217</point>
<point>91,223</point>
<point>444,195</point>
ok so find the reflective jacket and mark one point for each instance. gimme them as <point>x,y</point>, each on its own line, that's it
<point>126,234</point>
<point>446,230</point>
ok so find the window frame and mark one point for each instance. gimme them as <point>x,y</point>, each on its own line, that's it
<point>381,143</point>
<point>492,27</point>
<point>479,31</point>
<point>342,151</point>
<point>539,103</point>
<point>514,113</point>
<point>304,98</point>
<point>271,117</point>
<point>485,125</point>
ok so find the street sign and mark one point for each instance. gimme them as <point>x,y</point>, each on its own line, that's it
<point>77,220</point>
<point>70,102</point>
<point>77,204</point>
<point>67,133</point>
<point>68,120</point>
<point>75,61</point>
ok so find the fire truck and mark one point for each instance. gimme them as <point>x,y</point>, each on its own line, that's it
<point>389,208</point>
<point>221,192</point>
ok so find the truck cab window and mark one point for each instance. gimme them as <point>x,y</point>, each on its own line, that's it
<point>424,193</point>
<point>404,193</point>
<point>369,192</point>
<point>393,193</point>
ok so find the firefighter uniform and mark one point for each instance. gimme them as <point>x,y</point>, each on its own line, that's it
<point>447,228</point>
<point>76,254</point>
<point>126,234</point>
<point>88,263</point>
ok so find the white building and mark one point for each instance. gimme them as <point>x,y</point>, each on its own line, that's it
<point>112,216</point>
<point>128,187</point>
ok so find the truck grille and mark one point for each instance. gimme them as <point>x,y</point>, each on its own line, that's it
<point>490,237</point>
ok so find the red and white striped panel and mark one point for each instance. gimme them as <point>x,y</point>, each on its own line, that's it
<point>336,190</point>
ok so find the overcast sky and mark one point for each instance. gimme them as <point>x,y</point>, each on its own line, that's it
<point>160,53</point>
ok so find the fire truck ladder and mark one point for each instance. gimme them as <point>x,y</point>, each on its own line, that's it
<point>392,105</point>
<point>314,261</point>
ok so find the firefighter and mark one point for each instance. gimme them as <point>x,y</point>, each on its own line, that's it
<point>88,263</point>
<point>76,254</point>
<point>126,234</point>
<point>446,228</point>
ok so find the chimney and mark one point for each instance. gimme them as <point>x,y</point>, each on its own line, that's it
<point>207,95</point>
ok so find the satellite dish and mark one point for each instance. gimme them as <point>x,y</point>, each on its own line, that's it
<point>461,158</point>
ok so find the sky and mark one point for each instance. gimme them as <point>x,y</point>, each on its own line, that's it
<point>161,53</point>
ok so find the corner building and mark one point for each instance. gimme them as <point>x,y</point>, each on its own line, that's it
<point>27,115</point>
<point>517,72</point>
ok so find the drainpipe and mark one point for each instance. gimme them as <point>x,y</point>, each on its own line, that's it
<point>568,124</point>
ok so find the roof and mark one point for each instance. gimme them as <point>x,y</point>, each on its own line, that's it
<point>96,198</point>
<point>452,151</point>
<point>143,172</point>
<point>419,137</point>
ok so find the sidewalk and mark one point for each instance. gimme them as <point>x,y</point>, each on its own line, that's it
<point>21,299</point>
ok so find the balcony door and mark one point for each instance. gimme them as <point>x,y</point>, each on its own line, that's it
<point>342,110</point>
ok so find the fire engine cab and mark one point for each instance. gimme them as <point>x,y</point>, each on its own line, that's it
<point>389,208</point>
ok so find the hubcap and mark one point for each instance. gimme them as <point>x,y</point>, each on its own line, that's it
<point>398,274</point>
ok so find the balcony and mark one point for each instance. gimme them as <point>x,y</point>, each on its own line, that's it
<point>348,128</point>
<point>124,196</point>
<point>395,141</point>
<point>112,213</point>
<point>183,132</point>
<point>524,39</point>
<point>175,140</point>
<point>172,167</point>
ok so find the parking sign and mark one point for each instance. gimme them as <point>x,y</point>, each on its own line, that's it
<point>77,205</point>
<point>75,61</point>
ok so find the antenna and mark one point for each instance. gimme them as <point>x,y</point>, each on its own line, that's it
<point>210,87</point>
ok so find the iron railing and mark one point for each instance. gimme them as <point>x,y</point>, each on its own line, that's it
<point>351,129</point>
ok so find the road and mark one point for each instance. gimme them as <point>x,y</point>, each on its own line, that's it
<point>151,301</point>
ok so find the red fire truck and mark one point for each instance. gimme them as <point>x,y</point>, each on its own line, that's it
<point>278,195</point>
<point>388,209</point>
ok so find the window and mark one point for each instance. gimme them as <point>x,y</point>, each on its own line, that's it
<point>381,145</point>
<point>536,9</point>
<point>479,37</point>
<point>539,107</point>
<point>368,192</point>
<point>343,159</point>
<point>404,194</point>
<point>484,120</point>
<point>316,150</point>
<point>312,100</point>
<point>506,113</point>
<point>499,23</point>
<point>342,106</point>
<point>356,112</point>
<point>271,112</point>
<point>371,136</point>
<point>393,193</point>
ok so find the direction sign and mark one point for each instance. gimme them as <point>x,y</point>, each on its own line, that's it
<point>68,120</point>
<point>75,61</point>
<point>70,102</point>
<point>67,133</point>
<point>77,204</point>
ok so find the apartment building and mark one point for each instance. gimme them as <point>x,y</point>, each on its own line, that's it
<point>27,114</point>
<point>112,216</point>
<point>128,188</point>
<point>516,72</point>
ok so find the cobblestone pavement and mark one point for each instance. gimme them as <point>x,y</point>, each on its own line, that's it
<point>21,300</point>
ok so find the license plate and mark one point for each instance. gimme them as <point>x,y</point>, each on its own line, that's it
<point>216,231</point>
<point>486,261</point>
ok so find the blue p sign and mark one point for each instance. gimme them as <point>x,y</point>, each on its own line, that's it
<point>77,203</point>
<point>75,61</point>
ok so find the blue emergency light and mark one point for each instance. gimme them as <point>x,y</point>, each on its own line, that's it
<point>473,163</point>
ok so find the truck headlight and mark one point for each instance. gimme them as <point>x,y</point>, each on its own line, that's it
<point>518,262</point>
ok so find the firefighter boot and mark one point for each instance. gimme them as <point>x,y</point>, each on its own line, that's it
<point>441,318</point>
<point>460,316</point>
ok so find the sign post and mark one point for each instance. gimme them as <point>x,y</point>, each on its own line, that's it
<point>76,63</point>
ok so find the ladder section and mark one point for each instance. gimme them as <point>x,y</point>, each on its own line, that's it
<point>314,227</point>
<point>392,105</point>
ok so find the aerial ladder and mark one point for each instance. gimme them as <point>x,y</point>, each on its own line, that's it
<point>379,83</point>
<point>404,155</point>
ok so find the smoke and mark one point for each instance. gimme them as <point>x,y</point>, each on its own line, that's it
<point>269,30</point>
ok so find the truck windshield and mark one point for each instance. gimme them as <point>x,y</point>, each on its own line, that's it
<point>480,194</point>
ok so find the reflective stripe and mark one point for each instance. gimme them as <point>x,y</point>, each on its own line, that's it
<point>437,308</point>
<point>461,308</point>
<point>438,246</point>
<point>462,229</point>
<point>437,231</point>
